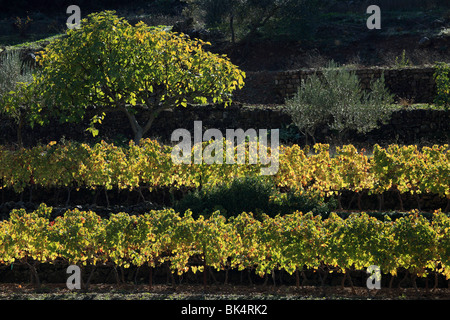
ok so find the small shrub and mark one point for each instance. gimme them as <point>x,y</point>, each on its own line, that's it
<point>291,201</point>
<point>402,61</point>
<point>250,194</point>
<point>442,76</point>
<point>22,25</point>
<point>16,91</point>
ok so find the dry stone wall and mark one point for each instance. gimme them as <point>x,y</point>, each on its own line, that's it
<point>412,83</point>
<point>405,126</point>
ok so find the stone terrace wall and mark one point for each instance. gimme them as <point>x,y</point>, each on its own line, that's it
<point>405,126</point>
<point>416,84</point>
<point>259,88</point>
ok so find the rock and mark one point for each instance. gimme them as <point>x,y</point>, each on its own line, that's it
<point>9,205</point>
<point>19,205</point>
<point>30,206</point>
<point>425,42</point>
<point>438,23</point>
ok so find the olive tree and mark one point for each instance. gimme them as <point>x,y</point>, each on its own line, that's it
<point>108,64</point>
<point>334,98</point>
<point>308,108</point>
<point>248,19</point>
<point>17,97</point>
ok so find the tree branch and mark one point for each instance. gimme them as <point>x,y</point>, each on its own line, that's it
<point>132,119</point>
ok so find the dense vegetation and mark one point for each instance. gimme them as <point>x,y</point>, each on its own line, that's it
<point>443,85</point>
<point>403,169</point>
<point>337,100</point>
<point>293,242</point>
<point>226,217</point>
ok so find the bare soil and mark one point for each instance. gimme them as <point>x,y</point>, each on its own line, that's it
<point>9,291</point>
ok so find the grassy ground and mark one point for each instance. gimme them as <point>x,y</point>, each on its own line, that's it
<point>32,43</point>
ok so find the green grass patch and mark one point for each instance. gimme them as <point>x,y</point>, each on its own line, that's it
<point>35,42</point>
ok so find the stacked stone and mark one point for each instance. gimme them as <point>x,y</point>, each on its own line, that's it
<point>415,84</point>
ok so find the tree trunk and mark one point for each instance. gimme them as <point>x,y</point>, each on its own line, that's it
<point>351,201</point>
<point>88,282</point>
<point>226,276</point>
<point>266,279</point>
<point>380,201</point>
<point>313,138</point>
<point>205,280</point>
<point>136,275</point>
<point>211,273</point>
<point>233,36</point>
<point>413,280</point>
<point>150,278</point>
<point>435,281</point>
<point>116,273</point>
<point>322,279</point>
<point>349,277</point>
<point>400,200</point>
<point>273,278</point>
<point>138,135</point>
<point>305,279</point>
<point>359,201</point>
<point>419,205</point>
<point>34,274</point>
<point>391,281</point>
<point>69,189</point>
<point>19,132</point>
<point>122,273</point>
<point>254,28</point>
<point>138,131</point>
<point>107,199</point>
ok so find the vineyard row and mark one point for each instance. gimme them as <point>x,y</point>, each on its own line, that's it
<point>291,242</point>
<point>402,169</point>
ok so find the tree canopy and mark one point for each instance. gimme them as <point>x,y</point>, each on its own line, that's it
<point>109,64</point>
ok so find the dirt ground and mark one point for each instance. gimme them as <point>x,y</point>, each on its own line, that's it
<point>214,292</point>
